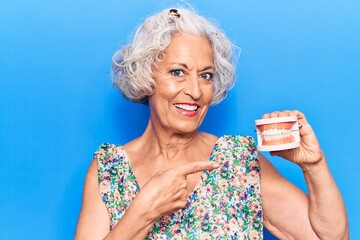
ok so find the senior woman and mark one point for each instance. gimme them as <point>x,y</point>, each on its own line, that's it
<point>175,182</point>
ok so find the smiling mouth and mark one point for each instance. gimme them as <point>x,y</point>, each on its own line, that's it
<point>187,107</point>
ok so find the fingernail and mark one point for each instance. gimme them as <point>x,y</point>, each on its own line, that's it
<point>216,165</point>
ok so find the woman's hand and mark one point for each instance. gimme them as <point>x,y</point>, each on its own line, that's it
<point>309,151</point>
<point>167,191</point>
<point>315,212</point>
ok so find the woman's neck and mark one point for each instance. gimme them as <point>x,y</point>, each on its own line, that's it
<point>170,144</point>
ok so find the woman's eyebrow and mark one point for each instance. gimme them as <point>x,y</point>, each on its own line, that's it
<point>207,68</point>
<point>186,66</point>
<point>181,64</point>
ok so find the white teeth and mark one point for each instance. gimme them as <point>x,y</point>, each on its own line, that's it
<point>186,107</point>
<point>273,133</point>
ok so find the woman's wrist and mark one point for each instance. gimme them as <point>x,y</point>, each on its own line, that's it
<point>134,224</point>
<point>315,165</point>
<point>145,213</point>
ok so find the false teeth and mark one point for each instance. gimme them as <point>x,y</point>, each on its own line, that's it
<point>274,133</point>
<point>277,133</point>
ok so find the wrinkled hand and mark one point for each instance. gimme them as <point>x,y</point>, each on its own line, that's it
<point>309,151</point>
<point>167,191</point>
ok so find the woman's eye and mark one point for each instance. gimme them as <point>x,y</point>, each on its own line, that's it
<point>207,76</point>
<point>177,73</point>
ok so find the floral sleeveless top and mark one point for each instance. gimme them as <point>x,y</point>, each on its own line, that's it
<point>226,203</point>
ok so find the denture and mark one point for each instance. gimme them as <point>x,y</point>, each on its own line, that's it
<point>276,134</point>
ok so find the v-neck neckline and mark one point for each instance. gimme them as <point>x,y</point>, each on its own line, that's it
<point>199,183</point>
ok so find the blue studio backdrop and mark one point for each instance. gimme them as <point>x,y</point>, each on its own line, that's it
<point>57,103</point>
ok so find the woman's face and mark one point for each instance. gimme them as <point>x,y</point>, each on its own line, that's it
<point>184,84</point>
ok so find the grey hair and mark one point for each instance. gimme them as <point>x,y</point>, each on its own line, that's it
<point>131,70</point>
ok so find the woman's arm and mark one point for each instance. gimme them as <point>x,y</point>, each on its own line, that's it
<point>94,220</point>
<point>288,212</point>
<point>327,211</point>
<point>163,194</point>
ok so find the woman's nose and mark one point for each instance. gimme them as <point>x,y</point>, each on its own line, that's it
<point>192,87</point>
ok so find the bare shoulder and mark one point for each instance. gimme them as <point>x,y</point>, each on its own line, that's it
<point>132,143</point>
<point>132,150</point>
<point>268,170</point>
<point>208,138</point>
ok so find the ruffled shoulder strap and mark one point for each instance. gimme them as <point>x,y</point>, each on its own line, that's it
<point>116,180</point>
<point>244,153</point>
<point>107,157</point>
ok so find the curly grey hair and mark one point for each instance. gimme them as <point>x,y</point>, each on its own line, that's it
<point>131,70</point>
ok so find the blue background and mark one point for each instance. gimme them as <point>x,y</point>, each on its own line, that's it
<point>57,104</point>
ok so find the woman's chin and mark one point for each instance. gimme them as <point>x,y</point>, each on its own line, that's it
<point>185,129</point>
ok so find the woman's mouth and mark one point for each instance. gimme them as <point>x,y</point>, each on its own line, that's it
<point>187,109</point>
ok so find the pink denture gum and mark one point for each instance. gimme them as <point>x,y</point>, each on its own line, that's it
<point>276,134</point>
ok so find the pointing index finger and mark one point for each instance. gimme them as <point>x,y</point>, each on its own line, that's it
<point>195,167</point>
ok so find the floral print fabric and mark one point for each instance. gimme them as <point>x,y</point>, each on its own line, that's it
<point>226,203</point>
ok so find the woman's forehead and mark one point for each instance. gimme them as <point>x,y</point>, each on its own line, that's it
<point>188,48</point>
